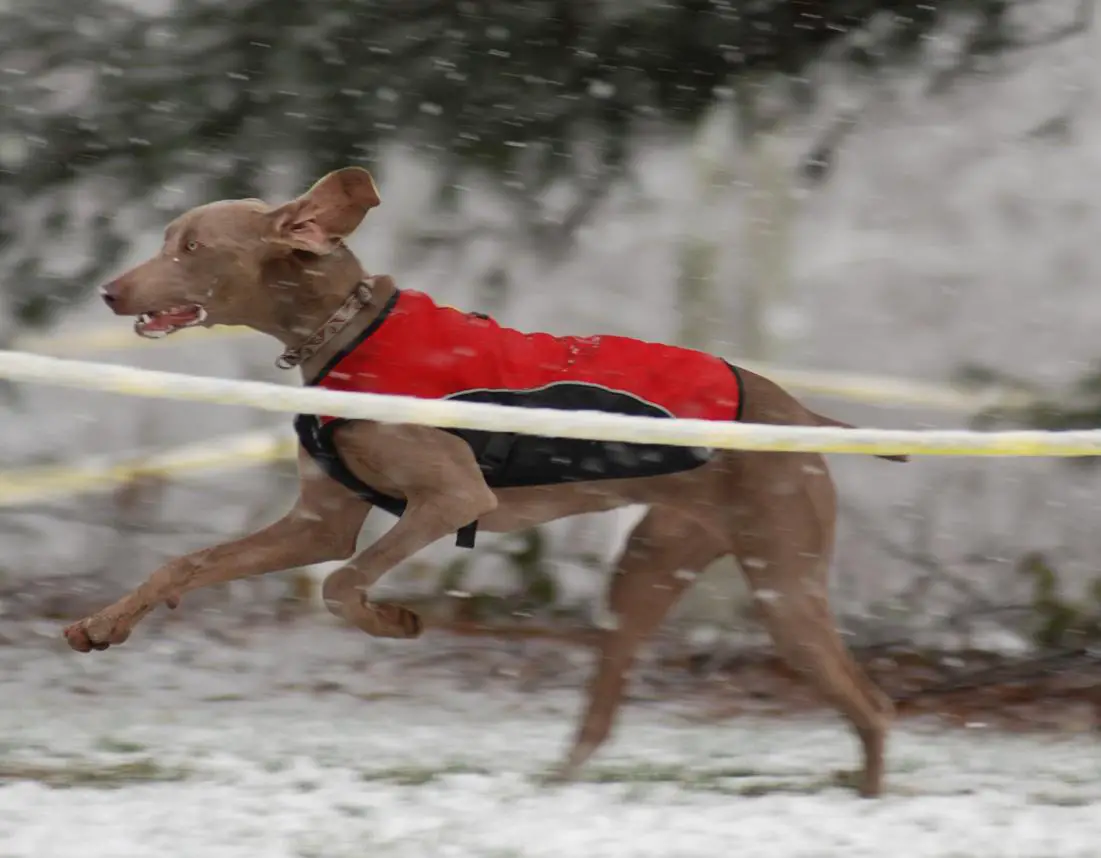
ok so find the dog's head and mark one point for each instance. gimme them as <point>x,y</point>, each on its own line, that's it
<point>218,261</point>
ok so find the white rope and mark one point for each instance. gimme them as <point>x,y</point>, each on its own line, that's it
<point>846,386</point>
<point>18,366</point>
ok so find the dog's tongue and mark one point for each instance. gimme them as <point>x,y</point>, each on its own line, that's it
<point>161,322</point>
<point>175,318</point>
<point>166,321</point>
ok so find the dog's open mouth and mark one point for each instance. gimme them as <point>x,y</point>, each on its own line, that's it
<point>161,323</point>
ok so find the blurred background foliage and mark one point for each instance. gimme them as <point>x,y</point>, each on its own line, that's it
<point>209,95</point>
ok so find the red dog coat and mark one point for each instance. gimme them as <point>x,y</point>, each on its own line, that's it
<point>418,348</point>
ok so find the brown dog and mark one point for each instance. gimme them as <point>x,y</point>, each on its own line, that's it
<point>286,272</point>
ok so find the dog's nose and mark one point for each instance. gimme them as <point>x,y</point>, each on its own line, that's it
<point>110,294</point>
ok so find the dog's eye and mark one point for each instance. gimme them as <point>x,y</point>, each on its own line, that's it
<point>191,246</point>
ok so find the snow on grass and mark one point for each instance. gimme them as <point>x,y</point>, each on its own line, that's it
<point>316,742</point>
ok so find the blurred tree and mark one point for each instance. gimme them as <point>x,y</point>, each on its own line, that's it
<point>104,104</point>
<point>1076,407</point>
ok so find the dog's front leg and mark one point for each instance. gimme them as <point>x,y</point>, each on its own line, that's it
<point>444,489</point>
<point>323,525</point>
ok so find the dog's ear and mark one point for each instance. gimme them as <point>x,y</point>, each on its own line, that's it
<point>328,212</point>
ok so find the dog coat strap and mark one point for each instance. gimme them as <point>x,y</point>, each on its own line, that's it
<point>494,455</point>
<point>465,537</point>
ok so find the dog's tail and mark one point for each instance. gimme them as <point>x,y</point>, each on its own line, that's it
<point>819,420</point>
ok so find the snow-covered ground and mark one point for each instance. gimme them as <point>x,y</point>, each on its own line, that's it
<point>316,742</point>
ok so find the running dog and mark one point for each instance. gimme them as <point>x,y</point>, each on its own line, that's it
<point>286,271</point>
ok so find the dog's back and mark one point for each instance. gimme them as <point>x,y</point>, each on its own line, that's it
<point>419,348</point>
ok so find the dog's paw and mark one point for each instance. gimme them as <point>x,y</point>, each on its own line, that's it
<point>559,775</point>
<point>94,633</point>
<point>566,771</point>
<point>383,620</point>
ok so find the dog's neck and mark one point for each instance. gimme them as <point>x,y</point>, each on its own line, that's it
<point>305,292</point>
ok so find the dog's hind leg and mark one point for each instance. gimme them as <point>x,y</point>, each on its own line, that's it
<point>653,571</point>
<point>783,543</point>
